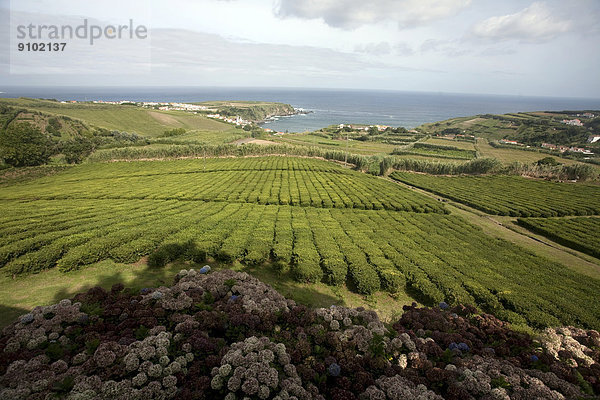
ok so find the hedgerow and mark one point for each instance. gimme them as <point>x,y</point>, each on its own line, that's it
<point>579,233</point>
<point>511,195</point>
<point>270,180</point>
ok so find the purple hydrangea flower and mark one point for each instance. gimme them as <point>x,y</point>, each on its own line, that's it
<point>334,369</point>
<point>463,346</point>
<point>534,358</point>
<point>453,346</point>
<point>233,298</point>
<point>27,318</point>
<point>205,269</point>
<point>443,305</point>
<point>157,295</point>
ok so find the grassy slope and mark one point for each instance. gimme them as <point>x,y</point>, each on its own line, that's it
<point>510,155</point>
<point>210,136</point>
<point>475,125</point>
<point>455,143</point>
<point>124,118</point>
<point>20,294</point>
<point>68,127</point>
<point>506,228</point>
<point>354,146</point>
<point>490,129</point>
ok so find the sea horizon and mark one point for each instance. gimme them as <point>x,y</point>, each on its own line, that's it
<point>327,106</point>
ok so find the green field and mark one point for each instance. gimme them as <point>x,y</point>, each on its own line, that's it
<point>436,150</point>
<point>508,155</point>
<point>123,211</point>
<point>461,144</point>
<point>276,180</point>
<point>140,120</point>
<point>353,146</point>
<point>305,224</point>
<point>580,233</point>
<point>511,195</point>
<point>479,126</point>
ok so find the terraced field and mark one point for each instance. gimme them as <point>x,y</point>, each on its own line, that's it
<point>276,209</point>
<point>511,195</point>
<point>437,150</point>
<point>275,180</point>
<point>580,233</point>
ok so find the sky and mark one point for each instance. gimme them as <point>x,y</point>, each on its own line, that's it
<point>512,47</point>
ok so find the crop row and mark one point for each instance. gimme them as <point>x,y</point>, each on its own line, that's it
<point>190,166</point>
<point>434,257</point>
<point>307,187</point>
<point>511,195</point>
<point>429,149</point>
<point>579,233</point>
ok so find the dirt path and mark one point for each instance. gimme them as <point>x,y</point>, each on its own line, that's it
<point>164,118</point>
<point>253,141</point>
<point>505,228</point>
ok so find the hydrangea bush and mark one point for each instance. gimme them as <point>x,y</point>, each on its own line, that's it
<point>226,335</point>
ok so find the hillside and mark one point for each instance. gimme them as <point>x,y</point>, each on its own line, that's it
<point>255,111</point>
<point>281,214</point>
<point>130,118</point>
<point>227,335</point>
<point>533,128</point>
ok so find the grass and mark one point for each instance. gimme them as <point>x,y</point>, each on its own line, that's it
<point>506,228</point>
<point>18,296</point>
<point>510,194</point>
<point>120,209</point>
<point>210,137</point>
<point>511,155</point>
<point>140,120</point>
<point>478,126</point>
<point>449,142</point>
<point>354,146</point>
<point>11,176</point>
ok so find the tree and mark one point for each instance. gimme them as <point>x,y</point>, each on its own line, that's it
<point>547,161</point>
<point>385,165</point>
<point>174,132</point>
<point>581,172</point>
<point>24,145</point>
<point>53,126</point>
<point>373,130</point>
<point>75,150</point>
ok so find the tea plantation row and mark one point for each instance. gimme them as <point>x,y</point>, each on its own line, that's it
<point>580,233</point>
<point>511,195</point>
<point>271,180</point>
<point>434,257</point>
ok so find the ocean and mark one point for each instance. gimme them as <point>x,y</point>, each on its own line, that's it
<point>326,106</point>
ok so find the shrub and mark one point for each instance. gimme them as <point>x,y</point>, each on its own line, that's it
<point>580,172</point>
<point>364,277</point>
<point>24,145</point>
<point>159,258</point>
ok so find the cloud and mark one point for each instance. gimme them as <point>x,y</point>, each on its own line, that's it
<point>449,48</point>
<point>351,14</point>
<point>404,49</point>
<point>381,48</point>
<point>532,24</point>
<point>181,50</point>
